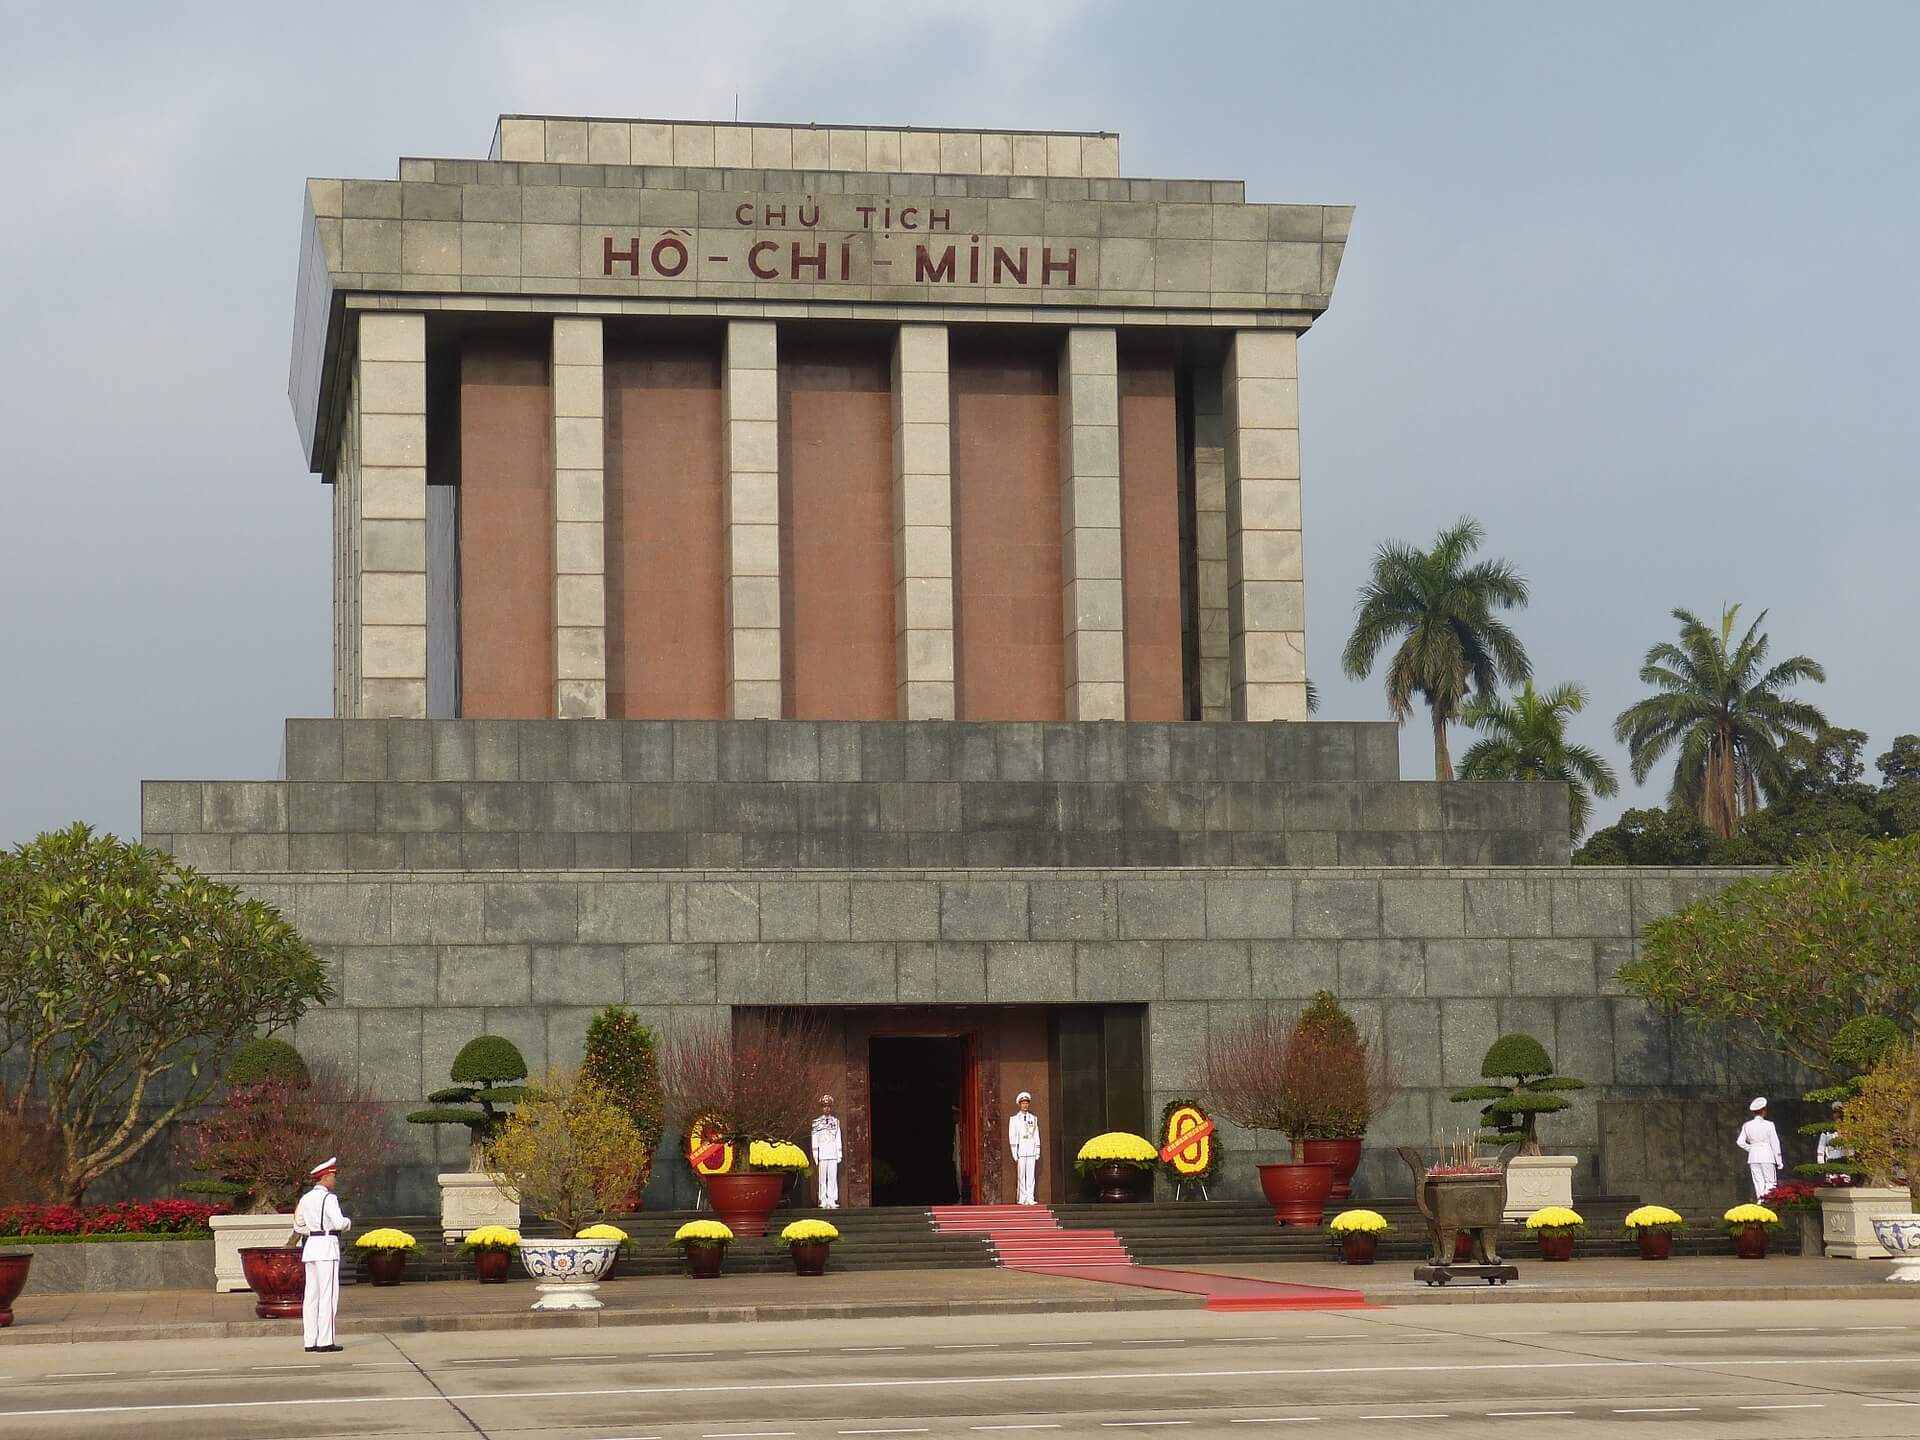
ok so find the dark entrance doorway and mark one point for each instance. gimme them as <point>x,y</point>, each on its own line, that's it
<point>920,1121</point>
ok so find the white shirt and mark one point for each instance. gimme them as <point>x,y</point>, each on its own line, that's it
<point>318,1211</point>
<point>1760,1140</point>
<point>1829,1149</point>
<point>826,1138</point>
<point>1023,1134</point>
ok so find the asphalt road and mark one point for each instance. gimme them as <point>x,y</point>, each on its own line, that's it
<point>1537,1372</point>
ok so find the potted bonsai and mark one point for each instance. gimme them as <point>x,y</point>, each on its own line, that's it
<point>739,1084</point>
<point>1882,1125</point>
<point>1653,1228</point>
<point>1336,1135</point>
<point>1120,1164</point>
<point>808,1242</point>
<point>603,1231</point>
<point>1520,1088</point>
<point>1556,1225</point>
<point>622,1058</point>
<point>569,1152</point>
<point>491,1247</point>
<point>486,1077</point>
<point>386,1251</point>
<point>703,1244</point>
<point>1750,1226</point>
<point>1356,1234</point>
<point>1270,1072</point>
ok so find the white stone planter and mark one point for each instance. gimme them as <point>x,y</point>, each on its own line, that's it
<point>234,1233</point>
<point>569,1271</point>
<point>1846,1218</point>
<point>470,1199</point>
<point>1899,1235</point>
<point>1536,1181</point>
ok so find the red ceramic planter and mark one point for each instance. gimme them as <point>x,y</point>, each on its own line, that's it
<point>1343,1155</point>
<point>744,1203</point>
<point>13,1279</point>
<point>1654,1244</point>
<point>1119,1184</point>
<point>1751,1243</point>
<point>385,1267</point>
<point>810,1257</point>
<point>703,1261</point>
<point>1359,1249</point>
<point>278,1278</point>
<point>492,1267</point>
<point>1297,1192</point>
<point>1556,1247</point>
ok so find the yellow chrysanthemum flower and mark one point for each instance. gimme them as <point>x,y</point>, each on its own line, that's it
<point>1751,1214</point>
<point>601,1232</point>
<point>777,1155</point>
<point>702,1232</point>
<point>386,1239</point>
<point>492,1237</point>
<point>1649,1217</point>
<point>1119,1145</point>
<point>803,1232</point>
<point>1554,1217</point>
<point>1360,1222</point>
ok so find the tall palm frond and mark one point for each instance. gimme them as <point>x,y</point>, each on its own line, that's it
<point>1526,739</point>
<point>1441,609</point>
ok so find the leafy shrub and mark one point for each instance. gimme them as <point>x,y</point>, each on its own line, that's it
<point>1523,1090</point>
<point>569,1151</point>
<point>267,1058</point>
<point>1308,1080</point>
<point>1882,1122</point>
<point>258,1144</point>
<point>622,1058</point>
<point>484,1075</point>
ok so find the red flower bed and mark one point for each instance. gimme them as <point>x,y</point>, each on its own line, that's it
<point>1792,1195</point>
<point>127,1217</point>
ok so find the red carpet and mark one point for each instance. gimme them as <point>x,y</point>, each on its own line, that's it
<point>1030,1238</point>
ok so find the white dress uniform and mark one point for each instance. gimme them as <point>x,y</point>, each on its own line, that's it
<point>319,1217</point>
<point>1761,1142</point>
<point>1023,1138</point>
<point>826,1159</point>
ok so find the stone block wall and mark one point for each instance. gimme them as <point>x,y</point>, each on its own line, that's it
<point>1436,963</point>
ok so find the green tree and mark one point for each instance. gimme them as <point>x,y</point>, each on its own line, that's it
<point>622,1058</point>
<point>1522,1088</point>
<point>1526,739</point>
<point>1795,955</point>
<point>124,976</point>
<point>1722,708</point>
<point>1453,643</point>
<point>569,1151</point>
<point>1653,837</point>
<point>486,1075</point>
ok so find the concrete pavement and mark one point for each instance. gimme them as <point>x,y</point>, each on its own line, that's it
<point>1549,1372</point>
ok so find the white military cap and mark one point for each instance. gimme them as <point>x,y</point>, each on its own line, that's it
<point>1759,1104</point>
<point>1023,1095</point>
<point>826,1099</point>
<point>325,1167</point>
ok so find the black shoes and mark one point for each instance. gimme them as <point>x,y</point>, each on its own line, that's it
<point>323,1349</point>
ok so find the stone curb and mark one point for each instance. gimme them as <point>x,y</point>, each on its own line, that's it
<point>1520,1294</point>
<point>599,1319</point>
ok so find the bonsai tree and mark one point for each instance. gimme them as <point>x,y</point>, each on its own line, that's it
<point>569,1151</point>
<point>1862,1043</point>
<point>753,1083</point>
<point>124,975</point>
<point>622,1059</point>
<point>1882,1121</point>
<point>484,1075</point>
<point>1522,1088</point>
<point>1303,1078</point>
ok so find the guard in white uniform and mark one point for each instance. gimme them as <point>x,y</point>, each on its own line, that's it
<point>826,1154</point>
<point>1761,1141</point>
<point>319,1217</point>
<point>1829,1150</point>
<point>1023,1138</point>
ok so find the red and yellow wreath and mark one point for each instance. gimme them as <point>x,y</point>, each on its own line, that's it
<point>708,1152</point>
<point>1189,1147</point>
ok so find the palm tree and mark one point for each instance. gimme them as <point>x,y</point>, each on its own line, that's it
<point>1526,739</point>
<point>1444,607</point>
<point>1724,712</point>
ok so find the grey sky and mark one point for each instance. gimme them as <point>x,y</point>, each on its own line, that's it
<point>1633,284</point>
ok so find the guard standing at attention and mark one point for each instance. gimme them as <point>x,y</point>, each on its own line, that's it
<point>826,1154</point>
<point>1023,1138</point>
<point>319,1217</point>
<point>1761,1141</point>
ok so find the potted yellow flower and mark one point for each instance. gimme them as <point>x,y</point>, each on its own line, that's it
<point>492,1247</point>
<point>386,1251</point>
<point>1357,1233</point>
<point>1751,1226</point>
<point>808,1241</point>
<point>607,1232</point>
<point>1117,1162</point>
<point>704,1244</point>
<point>1653,1228</point>
<point>1556,1225</point>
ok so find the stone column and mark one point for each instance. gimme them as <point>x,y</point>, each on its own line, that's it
<point>1093,606</point>
<point>579,521</point>
<point>1210,541</point>
<point>751,402</point>
<point>922,526</point>
<point>388,504</point>
<point>1265,594</point>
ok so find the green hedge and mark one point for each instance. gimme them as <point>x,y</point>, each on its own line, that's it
<point>9,1242</point>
